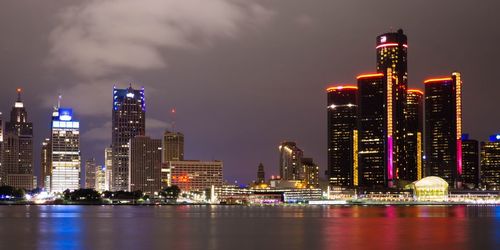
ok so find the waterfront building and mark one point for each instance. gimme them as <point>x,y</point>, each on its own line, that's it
<point>90,173</point>
<point>443,128</point>
<point>311,172</point>
<point>431,188</point>
<point>173,146</point>
<point>412,170</point>
<point>470,162</point>
<point>290,161</point>
<point>100,179</point>
<point>392,54</point>
<point>128,121</point>
<point>2,176</point>
<point>195,175</point>
<point>342,136</point>
<point>261,175</point>
<point>66,158</point>
<point>490,163</point>
<point>17,150</point>
<point>145,164</point>
<point>45,164</point>
<point>108,165</point>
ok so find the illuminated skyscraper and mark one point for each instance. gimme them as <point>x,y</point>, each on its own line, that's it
<point>173,146</point>
<point>261,175</point>
<point>66,159</point>
<point>91,169</point>
<point>145,164</point>
<point>129,120</point>
<point>45,164</point>
<point>342,133</point>
<point>443,128</point>
<point>413,169</point>
<point>375,141</point>
<point>311,172</point>
<point>100,179</point>
<point>18,148</point>
<point>392,53</point>
<point>470,158</point>
<point>2,174</point>
<point>290,161</point>
<point>490,163</point>
<point>108,164</point>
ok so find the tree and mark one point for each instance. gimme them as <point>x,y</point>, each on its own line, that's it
<point>172,192</point>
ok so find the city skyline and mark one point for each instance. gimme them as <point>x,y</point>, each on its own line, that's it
<point>263,116</point>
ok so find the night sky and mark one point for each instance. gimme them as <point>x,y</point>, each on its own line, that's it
<point>243,75</point>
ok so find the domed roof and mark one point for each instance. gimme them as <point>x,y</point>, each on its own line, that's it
<point>431,181</point>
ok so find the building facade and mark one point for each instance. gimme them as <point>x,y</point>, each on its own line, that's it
<point>490,163</point>
<point>290,161</point>
<point>108,165</point>
<point>91,169</point>
<point>470,160</point>
<point>443,128</point>
<point>261,174</point>
<point>66,158</point>
<point>195,175</point>
<point>100,179</point>
<point>173,146</point>
<point>45,164</point>
<point>311,172</point>
<point>145,164</point>
<point>342,132</point>
<point>128,121</point>
<point>412,170</point>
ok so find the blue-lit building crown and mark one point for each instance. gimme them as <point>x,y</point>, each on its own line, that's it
<point>63,118</point>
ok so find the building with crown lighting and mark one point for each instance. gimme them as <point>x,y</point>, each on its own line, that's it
<point>128,121</point>
<point>17,154</point>
<point>490,163</point>
<point>342,136</point>
<point>443,128</point>
<point>412,170</point>
<point>290,161</point>
<point>66,158</point>
<point>470,162</point>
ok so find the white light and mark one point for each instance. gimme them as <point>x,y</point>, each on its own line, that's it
<point>383,39</point>
<point>332,106</point>
<point>498,137</point>
<point>65,118</point>
<point>130,95</point>
<point>18,105</point>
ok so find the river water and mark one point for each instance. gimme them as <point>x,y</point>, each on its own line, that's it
<point>239,227</point>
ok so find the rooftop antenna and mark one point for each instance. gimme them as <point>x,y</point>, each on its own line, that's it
<point>19,90</point>
<point>172,113</point>
<point>59,98</point>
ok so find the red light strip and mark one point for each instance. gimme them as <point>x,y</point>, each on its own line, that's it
<point>390,45</point>
<point>370,75</point>
<point>330,89</point>
<point>418,91</point>
<point>438,80</point>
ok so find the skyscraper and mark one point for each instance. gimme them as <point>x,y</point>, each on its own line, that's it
<point>470,161</point>
<point>18,147</point>
<point>392,53</point>
<point>413,169</point>
<point>100,179</point>
<point>66,159</point>
<point>145,164</point>
<point>129,120</point>
<point>173,146</point>
<point>45,164</point>
<point>342,133</point>
<point>375,130</point>
<point>490,163</point>
<point>2,174</point>
<point>290,161</point>
<point>108,164</point>
<point>91,169</point>
<point>311,172</point>
<point>443,128</point>
<point>261,175</point>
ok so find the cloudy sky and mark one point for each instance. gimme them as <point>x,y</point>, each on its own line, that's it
<point>243,75</point>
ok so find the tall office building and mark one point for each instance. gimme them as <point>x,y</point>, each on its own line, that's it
<point>392,53</point>
<point>2,176</point>
<point>66,159</point>
<point>490,163</point>
<point>173,146</point>
<point>443,128</point>
<point>413,169</point>
<point>261,175</point>
<point>470,162</point>
<point>311,172</point>
<point>91,169</point>
<point>145,164</point>
<point>375,130</point>
<point>100,179</point>
<point>342,135</point>
<point>18,148</point>
<point>45,164</point>
<point>108,165</point>
<point>290,161</point>
<point>129,120</point>
<point>194,175</point>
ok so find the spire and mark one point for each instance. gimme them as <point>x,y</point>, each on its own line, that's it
<point>59,98</point>
<point>19,90</point>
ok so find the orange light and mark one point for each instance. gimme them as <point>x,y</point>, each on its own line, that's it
<point>418,91</point>
<point>390,45</point>
<point>19,90</point>
<point>369,75</point>
<point>330,89</point>
<point>442,79</point>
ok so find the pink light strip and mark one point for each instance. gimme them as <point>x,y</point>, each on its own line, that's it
<point>459,156</point>
<point>390,165</point>
<point>390,45</point>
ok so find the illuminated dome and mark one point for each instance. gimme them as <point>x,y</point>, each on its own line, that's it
<point>430,188</point>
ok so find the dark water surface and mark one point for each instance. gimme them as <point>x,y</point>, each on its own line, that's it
<point>235,227</point>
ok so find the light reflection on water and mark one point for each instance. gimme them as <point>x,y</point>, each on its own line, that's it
<point>234,227</point>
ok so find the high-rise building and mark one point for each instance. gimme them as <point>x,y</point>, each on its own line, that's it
<point>66,159</point>
<point>91,169</point>
<point>18,148</point>
<point>443,128</point>
<point>173,146</point>
<point>261,175</point>
<point>129,120</point>
<point>413,169</point>
<point>145,164</point>
<point>342,133</point>
<point>470,162</point>
<point>311,172</point>
<point>2,174</point>
<point>392,53</point>
<point>108,164</point>
<point>290,161</point>
<point>490,163</point>
<point>45,164</point>
<point>375,130</point>
<point>195,175</point>
<point>100,179</point>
